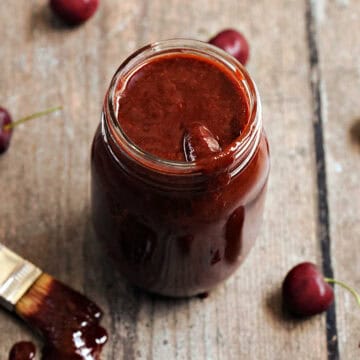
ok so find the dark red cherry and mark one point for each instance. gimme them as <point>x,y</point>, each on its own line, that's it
<point>233,43</point>
<point>5,131</point>
<point>23,350</point>
<point>305,291</point>
<point>199,142</point>
<point>74,12</point>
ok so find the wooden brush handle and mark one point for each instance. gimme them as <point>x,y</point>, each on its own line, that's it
<point>17,275</point>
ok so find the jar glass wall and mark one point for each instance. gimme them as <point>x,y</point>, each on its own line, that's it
<point>174,227</point>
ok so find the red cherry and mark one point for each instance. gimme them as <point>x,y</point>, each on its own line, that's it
<point>199,142</point>
<point>233,43</point>
<point>23,350</point>
<point>74,12</point>
<point>305,291</point>
<point>5,131</point>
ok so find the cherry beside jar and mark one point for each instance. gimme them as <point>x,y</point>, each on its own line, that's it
<point>179,226</point>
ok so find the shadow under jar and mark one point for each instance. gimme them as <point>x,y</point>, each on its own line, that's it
<point>178,212</point>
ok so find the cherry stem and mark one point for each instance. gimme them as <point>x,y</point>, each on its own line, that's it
<point>32,116</point>
<point>345,286</point>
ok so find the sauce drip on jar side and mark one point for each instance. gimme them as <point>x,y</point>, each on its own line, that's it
<point>69,324</point>
<point>182,107</point>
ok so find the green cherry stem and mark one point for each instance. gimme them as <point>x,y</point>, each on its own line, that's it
<point>347,287</point>
<point>32,116</point>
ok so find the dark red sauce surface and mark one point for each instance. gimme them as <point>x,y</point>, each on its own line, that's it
<point>68,322</point>
<point>23,350</point>
<point>166,97</point>
<point>172,239</point>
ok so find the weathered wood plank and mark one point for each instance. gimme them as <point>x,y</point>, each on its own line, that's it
<point>44,212</point>
<point>223,326</point>
<point>338,29</point>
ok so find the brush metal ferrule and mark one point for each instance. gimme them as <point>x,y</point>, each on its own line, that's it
<point>17,275</point>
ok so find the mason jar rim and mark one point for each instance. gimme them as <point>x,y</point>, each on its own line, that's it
<point>242,148</point>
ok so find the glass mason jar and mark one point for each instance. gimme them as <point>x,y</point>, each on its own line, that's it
<point>171,227</point>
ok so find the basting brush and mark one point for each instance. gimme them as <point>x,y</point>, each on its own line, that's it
<point>67,320</point>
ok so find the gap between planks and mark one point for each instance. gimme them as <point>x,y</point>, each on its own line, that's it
<point>323,220</point>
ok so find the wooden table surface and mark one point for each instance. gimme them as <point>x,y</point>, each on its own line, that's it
<point>305,60</point>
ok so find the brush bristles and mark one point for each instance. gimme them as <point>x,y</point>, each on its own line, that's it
<point>33,299</point>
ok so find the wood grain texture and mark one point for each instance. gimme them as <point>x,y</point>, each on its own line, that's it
<point>44,211</point>
<point>340,75</point>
